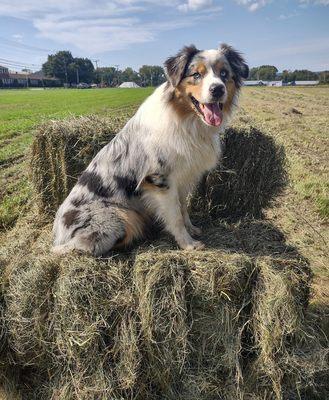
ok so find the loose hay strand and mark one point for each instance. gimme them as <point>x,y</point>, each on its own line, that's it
<point>227,323</point>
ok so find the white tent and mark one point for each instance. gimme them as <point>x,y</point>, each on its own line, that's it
<point>129,85</point>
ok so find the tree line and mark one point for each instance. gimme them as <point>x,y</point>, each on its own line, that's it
<point>271,73</point>
<point>72,70</point>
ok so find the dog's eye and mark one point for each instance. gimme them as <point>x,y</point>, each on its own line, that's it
<point>196,76</point>
<point>223,73</point>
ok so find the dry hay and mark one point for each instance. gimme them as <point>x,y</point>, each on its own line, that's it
<point>154,322</point>
<point>251,175</point>
<point>63,149</point>
<point>157,323</point>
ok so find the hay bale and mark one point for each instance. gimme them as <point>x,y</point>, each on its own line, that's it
<point>70,324</point>
<point>161,324</point>
<point>227,323</point>
<point>8,390</point>
<point>191,312</point>
<point>252,173</point>
<point>288,358</point>
<point>62,150</point>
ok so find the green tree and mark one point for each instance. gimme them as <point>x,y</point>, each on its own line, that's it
<point>129,75</point>
<point>85,69</point>
<point>253,74</point>
<point>57,66</point>
<point>107,75</point>
<point>64,66</point>
<point>264,73</point>
<point>304,75</point>
<point>285,76</point>
<point>324,77</point>
<point>267,72</point>
<point>151,75</point>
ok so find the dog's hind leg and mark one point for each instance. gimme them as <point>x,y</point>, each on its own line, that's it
<point>104,227</point>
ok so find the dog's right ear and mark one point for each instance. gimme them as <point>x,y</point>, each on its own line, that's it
<point>175,67</point>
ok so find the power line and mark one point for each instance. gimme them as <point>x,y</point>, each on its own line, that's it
<point>22,46</point>
<point>4,60</point>
<point>19,66</point>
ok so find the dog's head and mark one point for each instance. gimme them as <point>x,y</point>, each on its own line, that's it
<point>206,82</point>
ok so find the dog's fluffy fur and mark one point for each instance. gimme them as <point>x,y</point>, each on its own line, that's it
<point>146,173</point>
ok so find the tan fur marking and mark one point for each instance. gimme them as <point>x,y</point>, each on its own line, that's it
<point>134,226</point>
<point>201,68</point>
<point>150,186</point>
<point>181,103</point>
<point>181,99</point>
<point>194,90</point>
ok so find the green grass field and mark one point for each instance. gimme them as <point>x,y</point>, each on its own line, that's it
<point>296,117</point>
<point>22,110</point>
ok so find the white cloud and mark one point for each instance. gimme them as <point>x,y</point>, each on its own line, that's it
<point>253,5</point>
<point>105,25</point>
<point>17,37</point>
<point>284,17</point>
<point>316,2</point>
<point>195,5</point>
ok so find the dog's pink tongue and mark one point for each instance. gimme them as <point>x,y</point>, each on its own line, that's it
<point>212,114</point>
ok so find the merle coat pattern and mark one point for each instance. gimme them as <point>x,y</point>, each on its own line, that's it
<point>147,171</point>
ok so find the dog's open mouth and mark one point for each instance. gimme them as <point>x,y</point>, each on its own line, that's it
<point>212,113</point>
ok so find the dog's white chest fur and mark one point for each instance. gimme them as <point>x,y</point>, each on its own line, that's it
<point>191,147</point>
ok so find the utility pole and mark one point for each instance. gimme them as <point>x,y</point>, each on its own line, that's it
<point>96,62</point>
<point>27,78</point>
<point>77,75</point>
<point>65,70</point>
<point>117,69</point>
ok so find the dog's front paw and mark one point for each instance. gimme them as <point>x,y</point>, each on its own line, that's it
<point>194,230</point>
<point>193,245</point>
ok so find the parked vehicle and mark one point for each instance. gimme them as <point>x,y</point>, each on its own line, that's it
<point>83,85</point>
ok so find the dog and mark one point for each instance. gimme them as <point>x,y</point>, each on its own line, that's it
<point>147,171</point>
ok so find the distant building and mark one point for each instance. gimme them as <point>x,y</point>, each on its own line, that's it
<point>25,79</point>
<point>21,78</point>
<point>274,83</point>
<point>129,85</point>
<point>253,83</point>
<point>4,76</point>
<point>264,83</point>
<point>305,83</point>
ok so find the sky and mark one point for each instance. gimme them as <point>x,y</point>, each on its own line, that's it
<point>290,34</point>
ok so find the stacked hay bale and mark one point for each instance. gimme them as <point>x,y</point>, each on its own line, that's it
<point>154,322</point>
<point>251,174</point>
<point>63,149</point>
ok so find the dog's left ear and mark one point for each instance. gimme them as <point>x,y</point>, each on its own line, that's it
<point>175,67</point>
<point>237,62</point>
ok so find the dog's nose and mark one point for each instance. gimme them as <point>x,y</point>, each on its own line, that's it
<point>217,91</point>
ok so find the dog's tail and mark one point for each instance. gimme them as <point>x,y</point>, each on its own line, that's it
<point>121,226</point>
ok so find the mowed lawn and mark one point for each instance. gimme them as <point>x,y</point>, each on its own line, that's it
<point>22,110</point>
<point>296,116</point>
